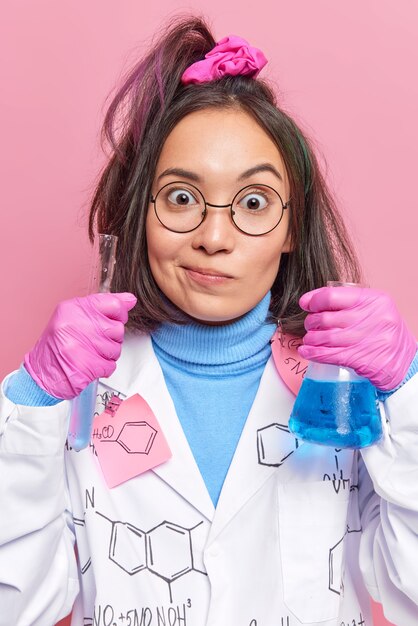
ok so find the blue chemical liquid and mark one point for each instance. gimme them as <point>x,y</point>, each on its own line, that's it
<point>343,414</point>
<point>82,415</point>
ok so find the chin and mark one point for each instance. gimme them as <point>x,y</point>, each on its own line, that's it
<point>212,311</point>
<point>213,319</point>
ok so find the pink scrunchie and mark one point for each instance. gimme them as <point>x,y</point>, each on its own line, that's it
<point>231,56</point>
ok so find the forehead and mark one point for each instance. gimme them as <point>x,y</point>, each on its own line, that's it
<point>220,142</point>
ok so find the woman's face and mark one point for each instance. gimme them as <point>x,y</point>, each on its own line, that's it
<point>216,273</point>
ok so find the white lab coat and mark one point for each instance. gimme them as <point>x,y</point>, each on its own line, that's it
<point>299,535</point>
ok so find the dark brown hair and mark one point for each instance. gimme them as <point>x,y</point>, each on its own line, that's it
<point>151,101</point>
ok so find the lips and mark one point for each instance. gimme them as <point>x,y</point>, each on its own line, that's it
<point>207,277</point>
<point>208,272</point>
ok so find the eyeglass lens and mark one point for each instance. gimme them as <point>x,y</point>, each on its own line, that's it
<point>256,209</point>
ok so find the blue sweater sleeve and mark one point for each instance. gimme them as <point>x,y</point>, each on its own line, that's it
<point>22,389</point>
<point>413,369</point>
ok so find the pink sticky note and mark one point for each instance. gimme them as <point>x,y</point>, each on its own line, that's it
<point>290,365</point>
<point>128,441</point>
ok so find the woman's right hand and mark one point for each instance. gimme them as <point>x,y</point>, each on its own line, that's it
<point>82,342</point>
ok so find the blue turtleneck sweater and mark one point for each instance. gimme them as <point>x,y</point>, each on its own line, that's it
<point>212,374</point>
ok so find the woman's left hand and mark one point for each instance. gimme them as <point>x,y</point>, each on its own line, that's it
<point>359,328</point>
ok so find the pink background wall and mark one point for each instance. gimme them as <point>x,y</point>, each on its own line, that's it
<point>346,69</point>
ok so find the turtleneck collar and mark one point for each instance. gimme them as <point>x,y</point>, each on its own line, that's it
<point>217,350</point>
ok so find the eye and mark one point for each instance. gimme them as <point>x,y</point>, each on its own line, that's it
<point>254,201</point>
<point>181,197</point>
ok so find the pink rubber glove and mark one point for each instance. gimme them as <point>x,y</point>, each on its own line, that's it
<point>82,342</point>
<point>359,328</point>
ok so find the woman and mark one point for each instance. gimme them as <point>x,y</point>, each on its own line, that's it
<point>214,513</point>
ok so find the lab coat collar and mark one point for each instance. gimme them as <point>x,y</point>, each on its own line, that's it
<point>138,371</point>
<point>265,448</point>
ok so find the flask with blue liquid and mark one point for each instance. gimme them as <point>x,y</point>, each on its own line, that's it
<point>336,407</point>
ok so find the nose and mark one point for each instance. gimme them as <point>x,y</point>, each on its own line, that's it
<point>216,233</point>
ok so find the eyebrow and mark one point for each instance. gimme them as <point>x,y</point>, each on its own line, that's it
<point>182,173</point>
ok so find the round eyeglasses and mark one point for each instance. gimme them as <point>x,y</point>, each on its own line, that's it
<point>255,209</point>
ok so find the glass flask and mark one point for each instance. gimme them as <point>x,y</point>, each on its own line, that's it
<point>336,407</point>
<point>82,410</point>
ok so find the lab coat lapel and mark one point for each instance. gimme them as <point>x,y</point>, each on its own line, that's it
<point>265,447</point>
<point>140,372</point>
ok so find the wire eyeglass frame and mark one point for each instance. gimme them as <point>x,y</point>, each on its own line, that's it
<point>153,200</point>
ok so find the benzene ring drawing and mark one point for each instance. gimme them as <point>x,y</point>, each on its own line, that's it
<point>274,444</point>
<point>135,437</point>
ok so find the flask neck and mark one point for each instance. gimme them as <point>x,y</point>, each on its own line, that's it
<point>332,373</point>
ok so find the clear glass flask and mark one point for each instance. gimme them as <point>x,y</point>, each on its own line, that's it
<point>82,409</point>
<point>336,407</point>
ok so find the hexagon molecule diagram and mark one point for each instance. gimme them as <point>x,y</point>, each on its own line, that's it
<point>173,563</point>
<point>127,547</point>
<point>137,437</point>
<point>82,545</point>
<point>274,444</point>
<point>335,561</point>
